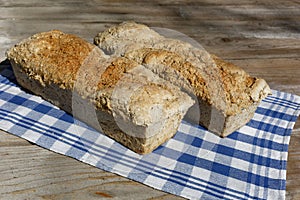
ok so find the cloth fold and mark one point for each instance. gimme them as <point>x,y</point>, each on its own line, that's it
<point>195,164</point>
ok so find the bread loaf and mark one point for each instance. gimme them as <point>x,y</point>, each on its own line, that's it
<point>122,98</point>
<point>226,96</point>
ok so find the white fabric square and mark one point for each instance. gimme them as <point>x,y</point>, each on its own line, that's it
<point>6,125</point>
<point>32,136</point>
<point>155,182</point>
<point>236,185</point>
<point>90,159</point>
<point>59,146</point>
<point>49,120</point>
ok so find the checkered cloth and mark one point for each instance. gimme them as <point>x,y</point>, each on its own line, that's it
<point>249,164</point>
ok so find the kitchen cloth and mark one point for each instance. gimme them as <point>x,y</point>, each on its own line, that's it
<point>195,164</point>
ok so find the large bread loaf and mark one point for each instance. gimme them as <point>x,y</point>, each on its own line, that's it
<point>226,96</point>
<point>115,95</point>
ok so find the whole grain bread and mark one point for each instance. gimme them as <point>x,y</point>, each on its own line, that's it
<point>226,95</point>
<point>120,97</point>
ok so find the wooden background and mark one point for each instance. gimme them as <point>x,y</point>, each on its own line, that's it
<point>263,37</point>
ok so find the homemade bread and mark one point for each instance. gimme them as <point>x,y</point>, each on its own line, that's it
<point>226,95</point>
<point>124,100</point>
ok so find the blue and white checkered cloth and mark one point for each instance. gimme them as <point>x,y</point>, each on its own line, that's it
<point>249,164</point>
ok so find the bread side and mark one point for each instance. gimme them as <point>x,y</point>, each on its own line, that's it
<point>71,73</point>
<point>227,96</point>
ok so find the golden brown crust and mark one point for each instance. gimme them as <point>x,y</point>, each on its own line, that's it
<point>236,82</point>
<point>114,72</point>
<point>54,55</point>
<point>237,85</point>
<point>175,61</point>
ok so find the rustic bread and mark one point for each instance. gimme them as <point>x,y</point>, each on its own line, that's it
<point>122,98</point>
<point>226,95</point>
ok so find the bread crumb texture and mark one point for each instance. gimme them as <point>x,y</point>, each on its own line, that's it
<point>149,56</point>
<point>237,84</point>
<point>55,58</point>
<point>71,63</point>
<point>211,79</point>
<point>51,57</point>
<point>114,72</point>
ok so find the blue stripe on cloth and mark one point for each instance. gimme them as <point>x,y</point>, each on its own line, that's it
<point>248,139</point>
<point>198,183</point>
<point>59,134</point>
<point>56,133</point>
<point>35,106</point>
<point>275,114</point>
<point>112,156</point>
<point>230,171</point>
<point>5,80</point>
<point>288,102</point>
<point>242,155</point>
<point>256,141</point>
<point>85,150</point>
<point>237,153</point>
<point>271,128</point>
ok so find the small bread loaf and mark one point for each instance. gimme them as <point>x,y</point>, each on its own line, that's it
<point>226,96</point>
<point>120,97</point>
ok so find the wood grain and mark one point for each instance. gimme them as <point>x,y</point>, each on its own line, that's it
<point>263,37</point>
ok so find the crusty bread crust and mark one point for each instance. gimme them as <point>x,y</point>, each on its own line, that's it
<point>240,106</point>
<point>68,71</point>
<point>227,96</point>
<point>49,50</point>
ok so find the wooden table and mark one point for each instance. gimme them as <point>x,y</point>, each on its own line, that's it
<point>263,37</point>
